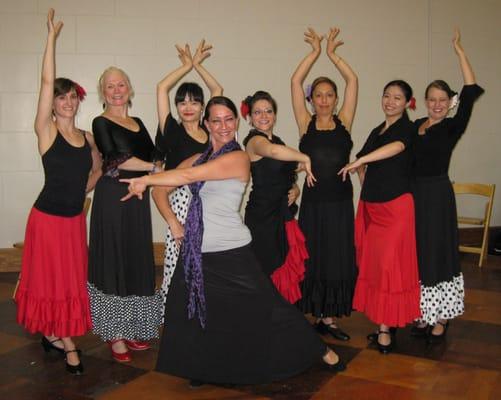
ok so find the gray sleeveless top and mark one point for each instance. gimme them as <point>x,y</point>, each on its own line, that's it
<point>223,225</point>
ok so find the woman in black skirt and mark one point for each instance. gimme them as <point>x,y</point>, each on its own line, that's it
<point>326,215</point>
<point>226,322</point>
<point>442,290</point>
<point>125,309</point>
<point>277,241</point>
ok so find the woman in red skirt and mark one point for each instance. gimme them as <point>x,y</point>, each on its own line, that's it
<point>387,288</point>
<point>52,295</point>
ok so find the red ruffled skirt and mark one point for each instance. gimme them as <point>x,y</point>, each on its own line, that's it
<point>52,295</point>
<point>387,288</point>
<point>290,274</point>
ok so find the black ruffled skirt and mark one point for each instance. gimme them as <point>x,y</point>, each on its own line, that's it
<point>331,271</point>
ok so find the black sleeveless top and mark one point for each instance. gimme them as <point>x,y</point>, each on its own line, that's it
<point>271,181</point>
<point>66,170</point>
<point>175,145</point>
<point>329,151</point>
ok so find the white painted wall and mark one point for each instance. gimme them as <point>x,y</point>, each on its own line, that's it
<point>257,45</point>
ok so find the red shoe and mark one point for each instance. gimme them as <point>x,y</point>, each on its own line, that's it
<point>137,345</point>
<point>120,357</point>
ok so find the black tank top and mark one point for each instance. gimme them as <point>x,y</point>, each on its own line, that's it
<point>66,170</point>
<point>329,152</point>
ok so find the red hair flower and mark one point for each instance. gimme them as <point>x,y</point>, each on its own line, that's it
<point>81,93</point>
<point>244,107</point>
<point>412,103</point>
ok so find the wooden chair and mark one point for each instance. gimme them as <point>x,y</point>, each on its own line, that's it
<point>484,190</point>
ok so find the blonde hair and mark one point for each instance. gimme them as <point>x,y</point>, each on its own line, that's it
<point>108,71</point>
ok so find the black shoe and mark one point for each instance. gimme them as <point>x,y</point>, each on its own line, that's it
<point>438,338</point>
<point>74,369</point>
<point>332,330</point>
<point>194,383</point>
<point>337,367</point>
<point>48,345</point>
<point>419,331</point>
<point>372,337</point>
<point>385,348</point>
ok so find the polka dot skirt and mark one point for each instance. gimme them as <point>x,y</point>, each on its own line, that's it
<point>179,200</point>
<point>442,301</point>
<point>130,317</point>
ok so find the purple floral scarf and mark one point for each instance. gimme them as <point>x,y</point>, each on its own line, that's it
<point>192,244</point>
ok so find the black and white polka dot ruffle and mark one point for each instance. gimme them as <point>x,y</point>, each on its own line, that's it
<point>130,317</point>
<point>442,301</point>
<point>179,201</point>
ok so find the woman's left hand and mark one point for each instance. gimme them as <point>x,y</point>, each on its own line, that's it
<point>136,188</point>
<point>351,168</point>
<point>203,52</point>
<point>332,43</point>
<point>456,41</point>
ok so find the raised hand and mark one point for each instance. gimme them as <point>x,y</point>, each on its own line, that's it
<point>53,29</point>
<point>332,42</point>
<point>311,37</point>
<point>184,55</point>
<point>203,52</point>
<point>456,41</point>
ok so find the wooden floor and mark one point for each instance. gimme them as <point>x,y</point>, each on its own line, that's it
<point>467,365</point>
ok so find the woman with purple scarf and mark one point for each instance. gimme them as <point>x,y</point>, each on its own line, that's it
<point>226,322</point>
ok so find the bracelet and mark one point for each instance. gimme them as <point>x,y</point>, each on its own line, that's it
<point>153,168</point>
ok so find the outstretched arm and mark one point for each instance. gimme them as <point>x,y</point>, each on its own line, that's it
<point>347,111</point>
<point>203,52</point>
<point>167,83</point>
<point>234,165</point>
<point>386,151</point>
<point>466,69</point>
<point>262,147</point>
<point>44,125</point>
<point>301,113</point>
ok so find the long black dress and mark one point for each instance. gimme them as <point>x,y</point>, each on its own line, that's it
<point>252,335</point>
<point>267,209</point>
<point>442,285</point>
<point>326,218</point>
<point>121,267</point>
<point>174,145</point>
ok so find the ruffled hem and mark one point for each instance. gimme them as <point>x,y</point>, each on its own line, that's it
<point>395,309</point>
<point>443,301</point>
<point>288,277</point>
<point>130,317</point>
<point>327,299</point>
<point>63,318</point>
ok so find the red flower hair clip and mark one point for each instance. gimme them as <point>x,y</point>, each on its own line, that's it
<point>244,107</point>
<point>80,91</point>
<point>412,103</point>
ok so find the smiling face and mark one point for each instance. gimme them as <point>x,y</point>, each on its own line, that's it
<point>115,89</point>
<point>263,116</point>
<point>222,125</point>
<point>66,105</point>
<point>437,103</point>
<point>189,110</point>
<point>393,102</point>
